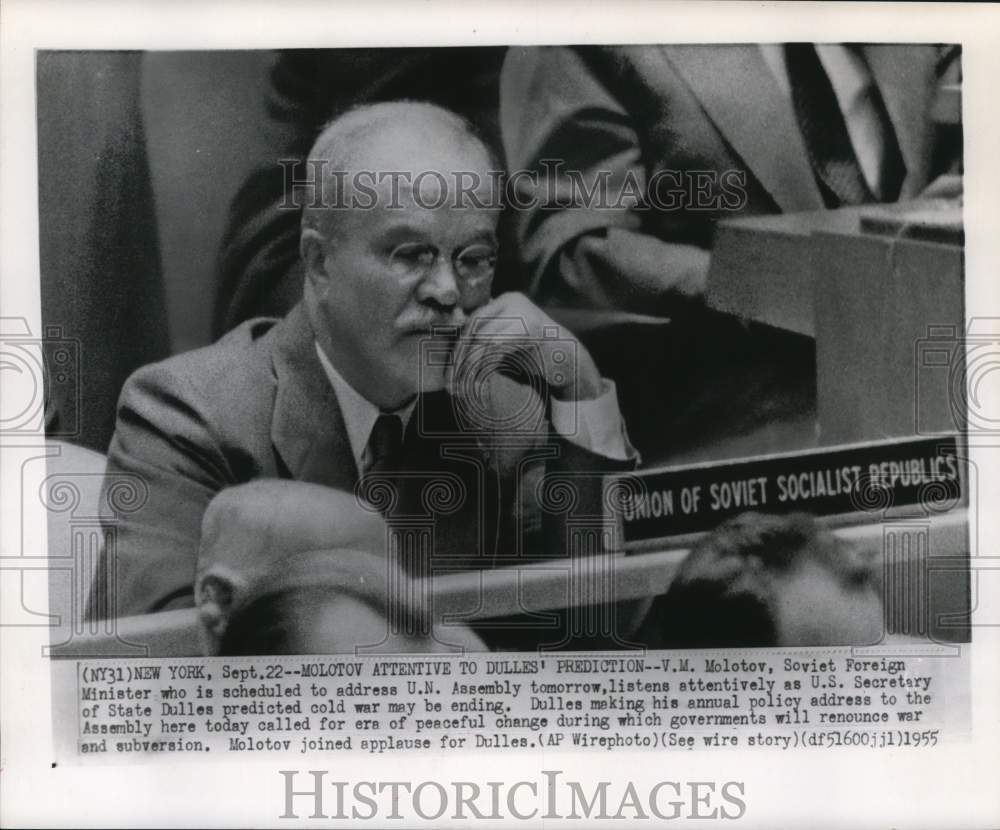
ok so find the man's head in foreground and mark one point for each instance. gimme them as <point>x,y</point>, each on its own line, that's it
<point>391,247</point>
<point>760,580</point>
<point>287,567</point>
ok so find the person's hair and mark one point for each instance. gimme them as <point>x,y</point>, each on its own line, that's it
<point>282,621</point>
<point>339,140</point>
<point>723,595</point>
<point>350,126</point>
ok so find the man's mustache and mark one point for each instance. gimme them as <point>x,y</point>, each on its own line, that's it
<point>436,324</point>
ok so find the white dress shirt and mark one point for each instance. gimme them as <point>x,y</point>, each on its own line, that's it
<point>852,85</point>
<point>595,425</point>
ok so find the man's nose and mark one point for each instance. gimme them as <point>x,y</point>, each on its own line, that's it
<point>441,284</point>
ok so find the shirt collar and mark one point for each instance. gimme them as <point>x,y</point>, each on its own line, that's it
<point>358,412</point>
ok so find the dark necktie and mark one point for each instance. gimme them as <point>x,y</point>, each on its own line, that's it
<point>379,485</point>
<point>385,446</point>
<point>827,140</point>
<point>381,458</point>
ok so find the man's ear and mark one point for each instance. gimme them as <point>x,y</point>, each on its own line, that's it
<point>312,250</point>
<point>215,595</point>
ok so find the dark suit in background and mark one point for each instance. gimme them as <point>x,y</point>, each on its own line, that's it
<point>675,108</point>
<point>642,110</point>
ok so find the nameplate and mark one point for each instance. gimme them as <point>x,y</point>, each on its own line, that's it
<point>923,474</point>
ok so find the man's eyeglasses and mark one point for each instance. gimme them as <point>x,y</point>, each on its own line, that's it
<point>473,264</point>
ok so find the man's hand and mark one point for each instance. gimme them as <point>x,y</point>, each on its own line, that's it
<point>512,335</point>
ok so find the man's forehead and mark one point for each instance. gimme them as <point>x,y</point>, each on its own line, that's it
<point>389,200</point>
<point>415,219</point>
<point>420,144</point>
<point>407,158</point>
<point>429,189</point>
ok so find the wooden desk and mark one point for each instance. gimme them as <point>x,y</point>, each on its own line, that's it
<point>940,556</point>
<point>868,299</point>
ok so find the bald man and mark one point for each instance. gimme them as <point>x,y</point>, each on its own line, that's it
<point>398,378</point>
<point>258,591</point>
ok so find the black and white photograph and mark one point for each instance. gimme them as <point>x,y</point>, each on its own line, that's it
<point>364,425</point>
<point>485,400</point>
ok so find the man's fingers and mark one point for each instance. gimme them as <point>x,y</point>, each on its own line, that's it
<point>476,359</point>
<point>512,336</point>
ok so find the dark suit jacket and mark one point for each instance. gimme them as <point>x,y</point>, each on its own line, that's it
<point>257,404</point>
<point>679,108</point>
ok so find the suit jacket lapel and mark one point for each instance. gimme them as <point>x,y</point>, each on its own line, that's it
<point>307,429</point>
<point>739,93</point>
<point>905,77</point>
